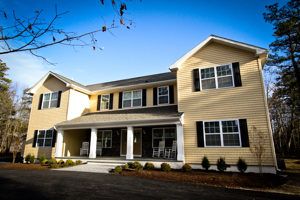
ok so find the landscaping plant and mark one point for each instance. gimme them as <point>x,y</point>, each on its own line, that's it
<point>149,166</point>
<point>52,161</point>
<point>68,163</point>
<point>27,158</point>
<point>44,162</point>
<point>42,158</point>
<point>137,165</point>
<point>118,169</point>
<point>186,168</point>
<point>54,165</point>
<point>78,162</point>
<point>61,162</point>
<point>242,165</point>
<point>205,163</point>
<point>124,167</point>
<point>31,159</point>
<point>165,167</point>
<point>221,164</point>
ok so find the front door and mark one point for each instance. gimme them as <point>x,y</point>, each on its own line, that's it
<point>137,142</point>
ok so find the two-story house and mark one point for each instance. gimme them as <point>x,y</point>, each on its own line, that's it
<point>208,104</point>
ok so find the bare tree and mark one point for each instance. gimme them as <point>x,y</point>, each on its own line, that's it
<point>29,34</point>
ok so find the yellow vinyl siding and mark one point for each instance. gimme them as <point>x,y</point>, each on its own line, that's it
<point>246,102</point>
<point>149,99</point>
<point>46,118</point>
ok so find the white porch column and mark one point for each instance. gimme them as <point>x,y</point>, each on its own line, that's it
<point>129,153</point>
<point>93,143</point>
<point>59,143</point>
<point>180,142</point>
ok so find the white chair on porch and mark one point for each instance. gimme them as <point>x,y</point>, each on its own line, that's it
<point>159,151</point>
<point>171,152</point>
<point>99,149</point>
<point>84,150</point>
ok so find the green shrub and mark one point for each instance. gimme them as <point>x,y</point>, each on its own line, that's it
<point>69,162</point>
<point>205,163</point>
<point>27,158</point>
<point>221,164</point>
<point>130,165</point>
<point>78,162</point>
<point>42,158</point>
<point>52,161</point>
<point>124,167</point>
<point>54,165</point>
<point>32,158</point>
<point>186,168</point>
<point>44,162</point>
<point>165,167</point>
<point>137,165</point>
<point>242,165</point>
<point>149,166</point>
<point>61,162</point>
<point>117,169</point>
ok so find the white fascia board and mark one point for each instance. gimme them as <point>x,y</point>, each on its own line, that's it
<point>258,51</point>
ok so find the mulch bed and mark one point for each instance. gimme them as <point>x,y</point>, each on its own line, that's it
<point>212,178</point>
<point>22,166</point>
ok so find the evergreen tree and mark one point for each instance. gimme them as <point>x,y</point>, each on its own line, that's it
<point>4,81</point>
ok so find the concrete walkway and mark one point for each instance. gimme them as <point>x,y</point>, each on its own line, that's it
<point>91,167</point>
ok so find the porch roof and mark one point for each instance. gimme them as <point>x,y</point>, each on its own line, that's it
<point>125,117</point>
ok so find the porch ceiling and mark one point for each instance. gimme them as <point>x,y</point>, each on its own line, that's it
<point>125,117</point>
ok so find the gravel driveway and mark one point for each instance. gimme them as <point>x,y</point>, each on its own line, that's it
<point>19,184</point>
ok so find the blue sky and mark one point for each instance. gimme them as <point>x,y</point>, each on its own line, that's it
<point>164,31</point>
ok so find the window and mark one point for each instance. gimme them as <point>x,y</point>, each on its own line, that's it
<point>216,77</point>
<point>105,137</point>
<point>44,138</point>
<point>163,134</point>
<point>163,95</point>
<point>104,102</point>
<point>222,133</point>
<point>50,100</point>
<point>132,98</point>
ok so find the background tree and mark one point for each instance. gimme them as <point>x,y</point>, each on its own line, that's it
<point>283,78</point>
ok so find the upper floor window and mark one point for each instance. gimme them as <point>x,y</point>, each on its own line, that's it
<point>132,98</point>
<point>105,102</point>
<point>44,138</point>
<point>163,95</point>
<point>50,100</point>
<point>222,133</point>
<point>216,77</point>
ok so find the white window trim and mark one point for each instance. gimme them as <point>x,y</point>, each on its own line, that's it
<point>163,137</point>
<point>221,132</point>
<point>216,77</point>
<point>49,99</point>
<point>108,102</point>
<point>131,99</point>
<point>163,95</point>
<point>103,137</point>
<point>37,138</point>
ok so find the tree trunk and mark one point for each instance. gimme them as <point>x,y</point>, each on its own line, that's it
<point>14,157</point>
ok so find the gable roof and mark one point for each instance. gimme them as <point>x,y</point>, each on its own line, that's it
<point>213,38</point>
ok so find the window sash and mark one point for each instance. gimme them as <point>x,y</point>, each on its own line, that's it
<point>105,141</point>
<point>163,95</point>
<point>51,102</point>
<point>43,137</point>
<point>222,133</point>
<point>132,100</point>
<point>163,137</point>
<point>105,103</point>
<point>216,77</point>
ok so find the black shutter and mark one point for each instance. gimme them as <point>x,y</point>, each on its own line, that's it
<point>237,74</point>
<point>40,102</point>
<point>154,96</point>
<point>54,138</point>
<point>58,99</point>
<point>196,80</point>
<point>200,134</point>
<point>244,132</point>
<point>144,97</point>
<point>120,99</point>
<point>34,138</point>
<point>98,102</point>
<point>111,101</point>
<point>171,94</point>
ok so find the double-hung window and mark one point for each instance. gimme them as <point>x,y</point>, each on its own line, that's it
<point>163,95</point>
<point>105,137</point>
<point>104,102</point>
<point>44,138</point>
<point>216,77</point>
<point>163,134</point>
<point>223,133</point>
<point>132,99</point>
<point>50,100</point>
